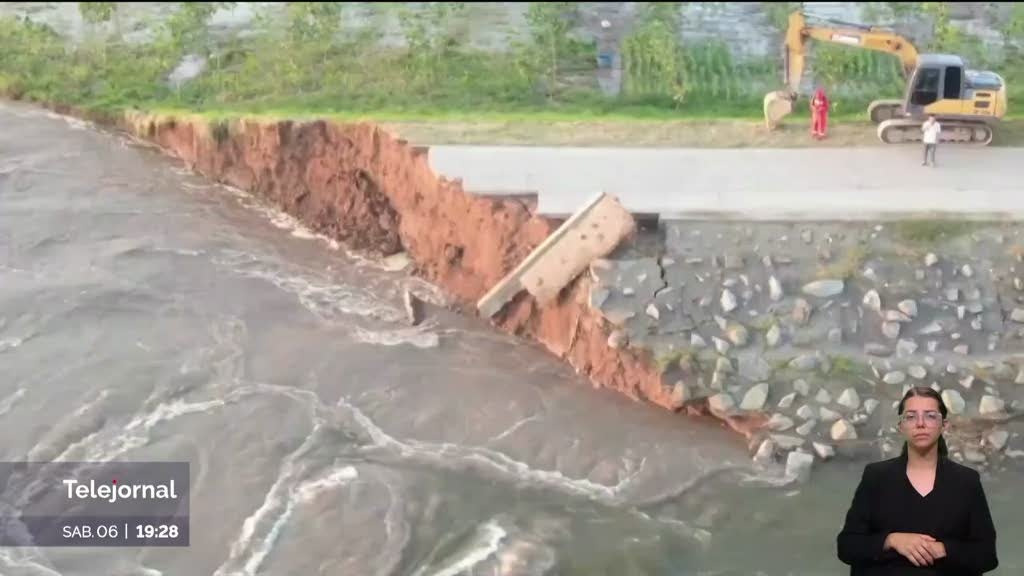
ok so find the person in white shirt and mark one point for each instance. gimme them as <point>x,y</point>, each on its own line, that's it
<point>931,130</point>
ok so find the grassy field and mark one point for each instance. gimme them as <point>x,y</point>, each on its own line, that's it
<point>722,133</point>
<point>582,128</point>
<point>438,92</point>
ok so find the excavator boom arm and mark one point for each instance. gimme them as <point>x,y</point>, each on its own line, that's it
<point>876,39</point>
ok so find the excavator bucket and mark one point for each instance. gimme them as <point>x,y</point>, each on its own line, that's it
<point>777,105</point>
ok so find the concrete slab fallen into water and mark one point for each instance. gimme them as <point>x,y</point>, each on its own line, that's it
<point>592,232</point>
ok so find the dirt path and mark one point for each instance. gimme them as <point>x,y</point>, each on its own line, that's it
<point>651,133</point>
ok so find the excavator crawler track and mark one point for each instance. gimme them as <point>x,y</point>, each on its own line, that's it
<point>881,110</point>
<point>899,131</point>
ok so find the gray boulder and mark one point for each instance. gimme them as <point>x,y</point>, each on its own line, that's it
<point>824,288</point>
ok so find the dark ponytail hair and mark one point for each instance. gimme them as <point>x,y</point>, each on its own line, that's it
<point>926,392</point>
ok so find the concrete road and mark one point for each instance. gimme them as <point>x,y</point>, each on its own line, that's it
<point>877,183</point>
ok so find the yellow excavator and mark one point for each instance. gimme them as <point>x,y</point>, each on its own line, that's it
<point>968,103</point>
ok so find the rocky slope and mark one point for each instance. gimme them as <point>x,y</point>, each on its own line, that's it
<point>818,330</point>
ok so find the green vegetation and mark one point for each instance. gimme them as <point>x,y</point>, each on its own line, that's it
<point>847,368</point>
<point>984,374</point>
<point>863,75</point>
<point>328,58</point>
<point>778,12</point>
<point>846,266</point>
<point>96,12</point>
<point>653,56</point>
<point>550,24</point>
<point>670,360</point>
<point>667,360</point>
<point>780,366</point>
<point>926,233</point>
<point>764,323</point>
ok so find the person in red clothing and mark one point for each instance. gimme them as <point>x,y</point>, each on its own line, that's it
<point>819,114</point>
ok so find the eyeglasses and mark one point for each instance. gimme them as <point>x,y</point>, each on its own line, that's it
<point>931,417</point>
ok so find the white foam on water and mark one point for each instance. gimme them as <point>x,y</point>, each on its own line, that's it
<point>280,501</point>
<point>425,291</point>
<point>274,509</point>
<point>7,403</point>
<point>66,455</point>
<point>236,192</point>
<point>514,427</point>
<point>327,301</point>
<point>700,535</point>
<point>396,533</point>
<point>175,251</point>
<point>278,218</point>
<point>414,336</point>
<point>525,557</point>
<point>330,302</point>
<point>130,140</point>
<point>360,260</point>
<point>307,234</point>
<point>10,344</point>
<point>73,123</point>
<point>293,225</point>
<point>305,492</point>
<point>249,550</point>
<point>23,559</point>
<point>224,358</point>
<point>310,490</point>
<point>234,258</point>
<point>136,433</point>
<point>768,479</point>
<point>447,454</point>
<point>86,423</point>
<point>710,474</point>
<point>76,124</point>
<point>91,404</point>
<point>485,544</point>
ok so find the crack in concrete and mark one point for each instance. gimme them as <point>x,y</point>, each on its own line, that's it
<point>664,283</point>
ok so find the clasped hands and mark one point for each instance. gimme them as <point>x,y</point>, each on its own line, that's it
<point>920,549</point>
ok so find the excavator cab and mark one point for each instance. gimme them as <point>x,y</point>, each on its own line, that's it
<point>967,102</point>
<point>938,85</point>
<point>925,88</point>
